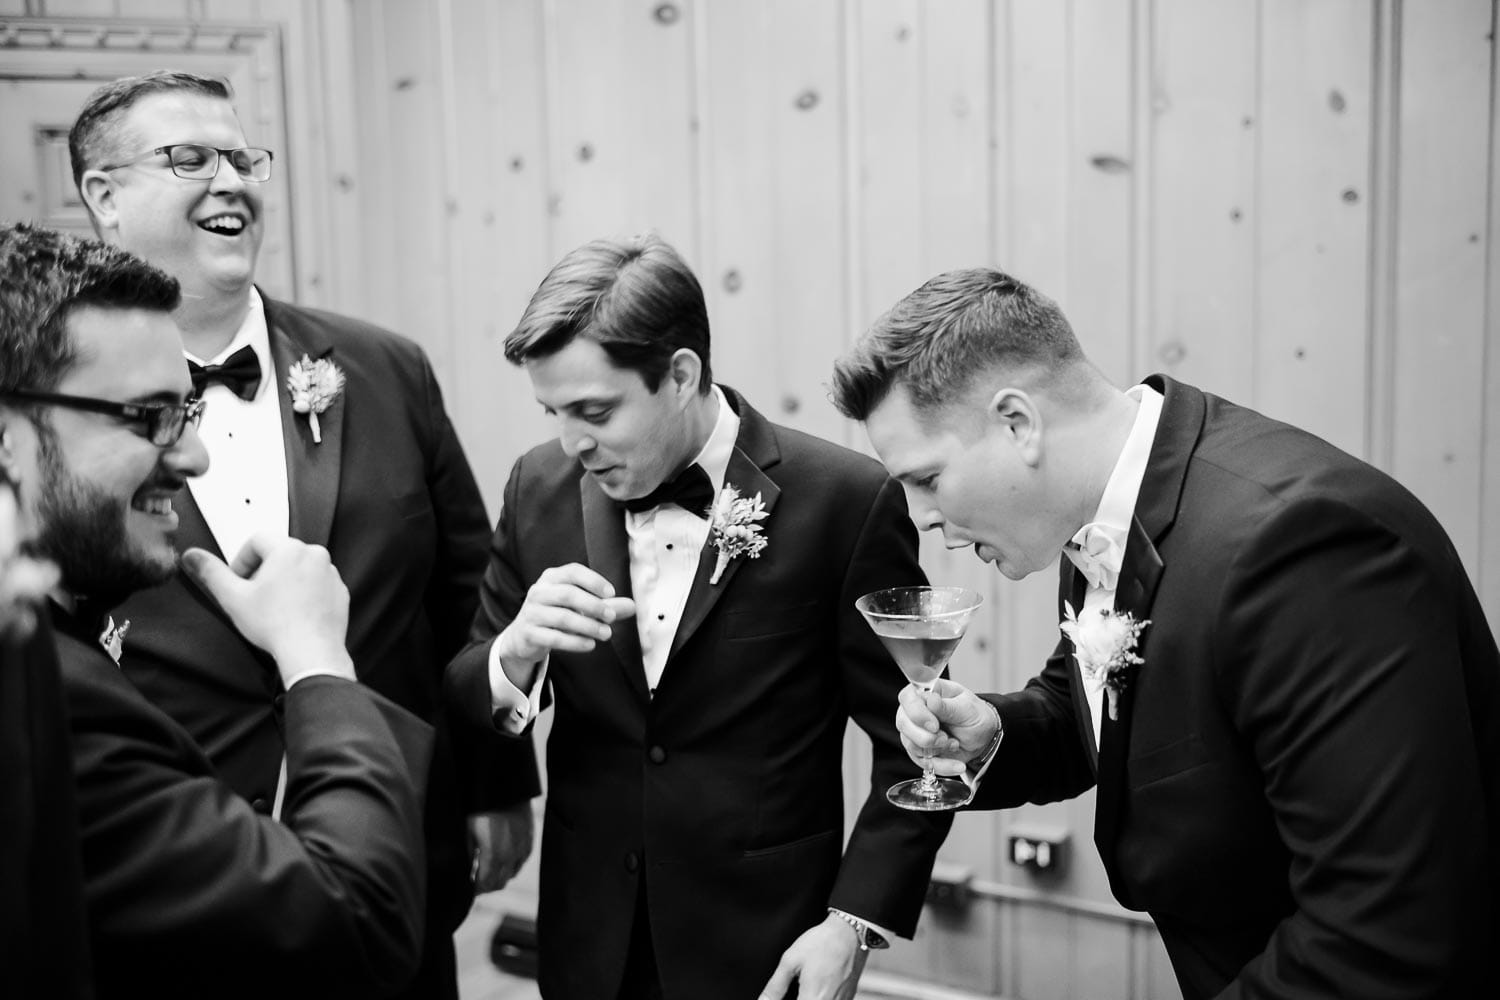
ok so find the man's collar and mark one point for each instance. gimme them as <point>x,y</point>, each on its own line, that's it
<point>716,451</point>
<point>1117,504</point>
<point>254,333</point>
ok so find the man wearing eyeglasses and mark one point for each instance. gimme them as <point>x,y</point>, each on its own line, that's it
<point>188,891</point>
<point>377,475</point>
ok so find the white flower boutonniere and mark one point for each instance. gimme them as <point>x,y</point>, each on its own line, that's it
<point>24,582</point>
<point>113,638</point>
<point>1104,642</point>
<point>314,385</point>
<point>733,528</point>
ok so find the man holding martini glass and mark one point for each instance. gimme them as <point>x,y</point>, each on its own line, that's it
<point>1273,665</point>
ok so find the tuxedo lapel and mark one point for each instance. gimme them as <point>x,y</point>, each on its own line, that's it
<point>193,531</point>
<point>1076,587</point>
<point>1177,434</point>
<point>755,450</point>
<point>312,467</point>
<point>608,549</point>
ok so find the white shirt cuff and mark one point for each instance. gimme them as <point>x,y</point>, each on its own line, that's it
<point>511,707</point>
<point>315,672</point>
<point>972,780</point>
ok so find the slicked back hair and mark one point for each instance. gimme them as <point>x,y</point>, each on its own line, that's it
<point>96,138</point>
<point>44,275</point>
<point>636,298</point>
<point>936,340</point>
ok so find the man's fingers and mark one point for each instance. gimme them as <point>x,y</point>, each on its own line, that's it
<point>209,572</point>
<point>580,576</point>
<point>780,981</point>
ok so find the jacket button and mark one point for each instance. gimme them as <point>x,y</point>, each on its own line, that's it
<point>261,805</point>
<point>657,755</point>
<point>632,862</point>
<point>279,703</point>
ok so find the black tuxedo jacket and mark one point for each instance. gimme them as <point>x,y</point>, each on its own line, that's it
<point>721,796</point>
<point>192,893</point>
<point>1303,785</point>
<point>43,941</point>
<point>390,494</point>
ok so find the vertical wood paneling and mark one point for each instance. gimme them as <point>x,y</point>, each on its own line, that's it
<point>1443,183</point>
<point>623,158</point>
<point>1314,197</point>
<point>1101,179</point>
<point>500,233</point>
<point>336,193</point>
<point>1204,143</point>
<point>773,112</point>
<point>1489,531</point>
<point>299,170</point>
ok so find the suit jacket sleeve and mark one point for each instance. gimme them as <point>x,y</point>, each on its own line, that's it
<point>190,890</point>
<point>501,595</point>
<point>1042,757</point>
<point>502,773</point>
<point>889,857</point>
<point>1338,663</point>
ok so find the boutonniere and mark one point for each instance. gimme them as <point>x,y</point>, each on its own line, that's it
<point>24,582</point>
<point>113,638</point>
<point>1104,642</point>
<point>733,528</point>
<point>314,385</point>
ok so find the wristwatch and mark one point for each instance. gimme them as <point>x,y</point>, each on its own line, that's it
<point>868,938</point>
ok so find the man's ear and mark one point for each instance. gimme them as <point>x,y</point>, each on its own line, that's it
<point>98,191</point>
<point>686,373</point>
<point>1014,413</point>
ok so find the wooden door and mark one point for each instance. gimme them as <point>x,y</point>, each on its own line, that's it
<point>48,68</point>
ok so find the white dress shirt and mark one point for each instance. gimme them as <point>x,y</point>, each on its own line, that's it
<point>1116,510</point>
<point>665,543</point>
<point>245,488</point>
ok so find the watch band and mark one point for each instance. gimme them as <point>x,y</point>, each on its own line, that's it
<point>867,938</point>
<point>978,764</point>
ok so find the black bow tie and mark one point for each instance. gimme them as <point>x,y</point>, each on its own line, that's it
<point>240,374</point>
<point>691,490</point>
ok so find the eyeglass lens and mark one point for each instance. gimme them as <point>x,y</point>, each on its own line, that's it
<point>200,162</point>
<point>168,422</point>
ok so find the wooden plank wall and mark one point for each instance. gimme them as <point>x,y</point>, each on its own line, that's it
<point>1292,204</point>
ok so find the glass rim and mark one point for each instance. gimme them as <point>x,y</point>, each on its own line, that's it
<point>864,608</point>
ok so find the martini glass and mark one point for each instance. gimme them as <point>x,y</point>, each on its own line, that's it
<point>920,627</point>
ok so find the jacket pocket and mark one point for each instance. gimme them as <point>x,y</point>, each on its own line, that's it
<point>766,852</point>
<point>764,623</point>
<point>1164,762</point>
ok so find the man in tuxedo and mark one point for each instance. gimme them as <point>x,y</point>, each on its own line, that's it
<point>693,842</point>
<point>188,890</point>
<point>43,940</point>
<point>321,427</point>
<point>1279,677</point>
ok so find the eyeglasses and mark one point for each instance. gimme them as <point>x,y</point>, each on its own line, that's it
<point>200,163</point>
<point>163,422</point>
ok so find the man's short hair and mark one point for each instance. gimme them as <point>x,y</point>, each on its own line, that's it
<point>96,138</point>
<point>636,298</point>
<point>939,338</point>
<point>44,275</point>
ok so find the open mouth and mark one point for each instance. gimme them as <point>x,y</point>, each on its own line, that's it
<point>156,505</point>
<point>223,225</point>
